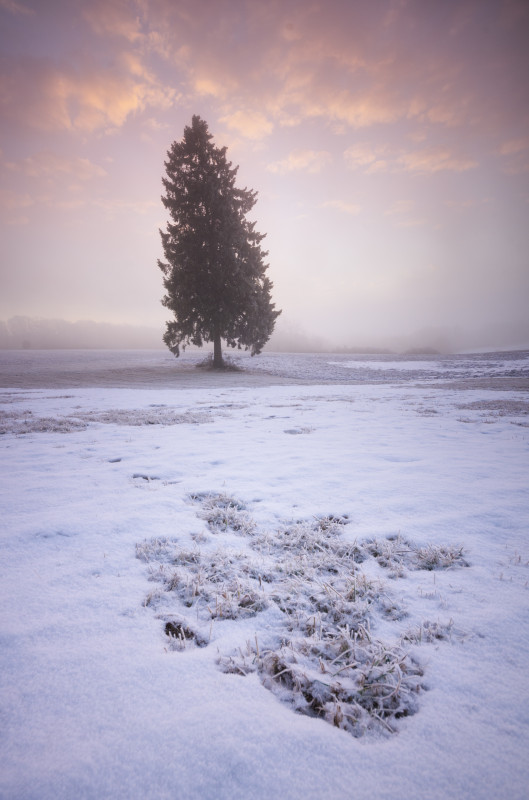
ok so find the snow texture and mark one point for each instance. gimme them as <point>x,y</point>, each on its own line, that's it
<point>197,603</point>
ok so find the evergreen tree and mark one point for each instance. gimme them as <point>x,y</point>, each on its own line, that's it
<point>214,270</point>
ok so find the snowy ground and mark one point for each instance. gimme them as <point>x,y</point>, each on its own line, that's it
<point>264,586</point>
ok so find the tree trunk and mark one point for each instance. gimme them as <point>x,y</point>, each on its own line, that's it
<point>217,352</point>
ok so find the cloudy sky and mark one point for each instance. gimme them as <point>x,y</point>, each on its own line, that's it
<point>388,141</point>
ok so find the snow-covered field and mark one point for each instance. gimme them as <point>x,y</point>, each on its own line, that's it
<point>305,580</point>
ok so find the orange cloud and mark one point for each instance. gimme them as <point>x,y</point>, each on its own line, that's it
<point>426,161</point>
<point>434,159</point>
<point>361,154</point>
<point>250,124</point>
<point>302,161</point>
<point>275,64</point>
<point>41,96</point>
<point>300,61</point>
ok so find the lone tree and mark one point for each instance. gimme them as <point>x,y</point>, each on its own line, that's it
<point>214,270</point>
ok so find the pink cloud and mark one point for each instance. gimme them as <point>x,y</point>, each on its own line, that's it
<point>434,159</point>
<point>46,164</point>
<point>113,17</point>
<point>360,155</point>
<point>10,200</point>
<point>426,161</point>
<point>301,161</point>
<point>250,124</point>
<point>42,96</point>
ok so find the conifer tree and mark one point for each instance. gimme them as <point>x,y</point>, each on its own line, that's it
<point>214,270</point>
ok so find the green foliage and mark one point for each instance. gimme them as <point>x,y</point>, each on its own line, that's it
<point>214,270</point>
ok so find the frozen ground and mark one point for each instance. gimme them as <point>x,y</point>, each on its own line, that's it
<point>158,369</point>
<point>306,580</point>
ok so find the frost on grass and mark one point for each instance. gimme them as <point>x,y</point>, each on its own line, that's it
<point>429,631</point>
<point>351,680</point>
<point>490,411</point>
<point>21,422</point>
<point>396,554</point>
<point>223,584</point>
<point>322,656</point>
<point>502,407</point>
<point>151,416</point>
<point>224,513</point>
<point>24,421</point>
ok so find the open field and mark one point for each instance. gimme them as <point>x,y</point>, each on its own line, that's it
<point>307,579</point>
<point>156,369</point>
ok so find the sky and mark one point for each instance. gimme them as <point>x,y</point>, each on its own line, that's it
<point>388,142</point>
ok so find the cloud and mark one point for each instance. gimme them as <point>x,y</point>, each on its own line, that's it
<point>430,160</point>
<point>304,61</point>
<point>209,85</point>
<point>347,208</point>
<point>17,9</point>
<point>363,155</point>
<point>154,124</point>
<point>517,155</point>
<point>401,210</point>
<point>513,146</point>
<point>349,65</point>
<point>46,164</point>
<point>113,17</point>
<point>302,161</point>
<point>10,200</point>
<point>250,124</point>
<point>37,94</point>
<point>426,161</point>
<point>12,204</point>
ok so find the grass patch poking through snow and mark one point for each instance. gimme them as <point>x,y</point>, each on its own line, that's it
<point>21,422</point>
<point>322,657</point>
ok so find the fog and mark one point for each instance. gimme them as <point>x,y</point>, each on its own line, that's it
<point>34,333</point>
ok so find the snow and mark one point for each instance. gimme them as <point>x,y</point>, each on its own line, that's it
<point>98,702</point>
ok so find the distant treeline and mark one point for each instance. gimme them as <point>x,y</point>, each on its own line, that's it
<point>29,333</point>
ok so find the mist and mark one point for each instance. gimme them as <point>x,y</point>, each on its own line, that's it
<point>36,333</point>
<point>33,333</point>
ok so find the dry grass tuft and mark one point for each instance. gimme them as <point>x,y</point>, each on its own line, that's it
<point>22,422</point>
<point>323,659</point>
